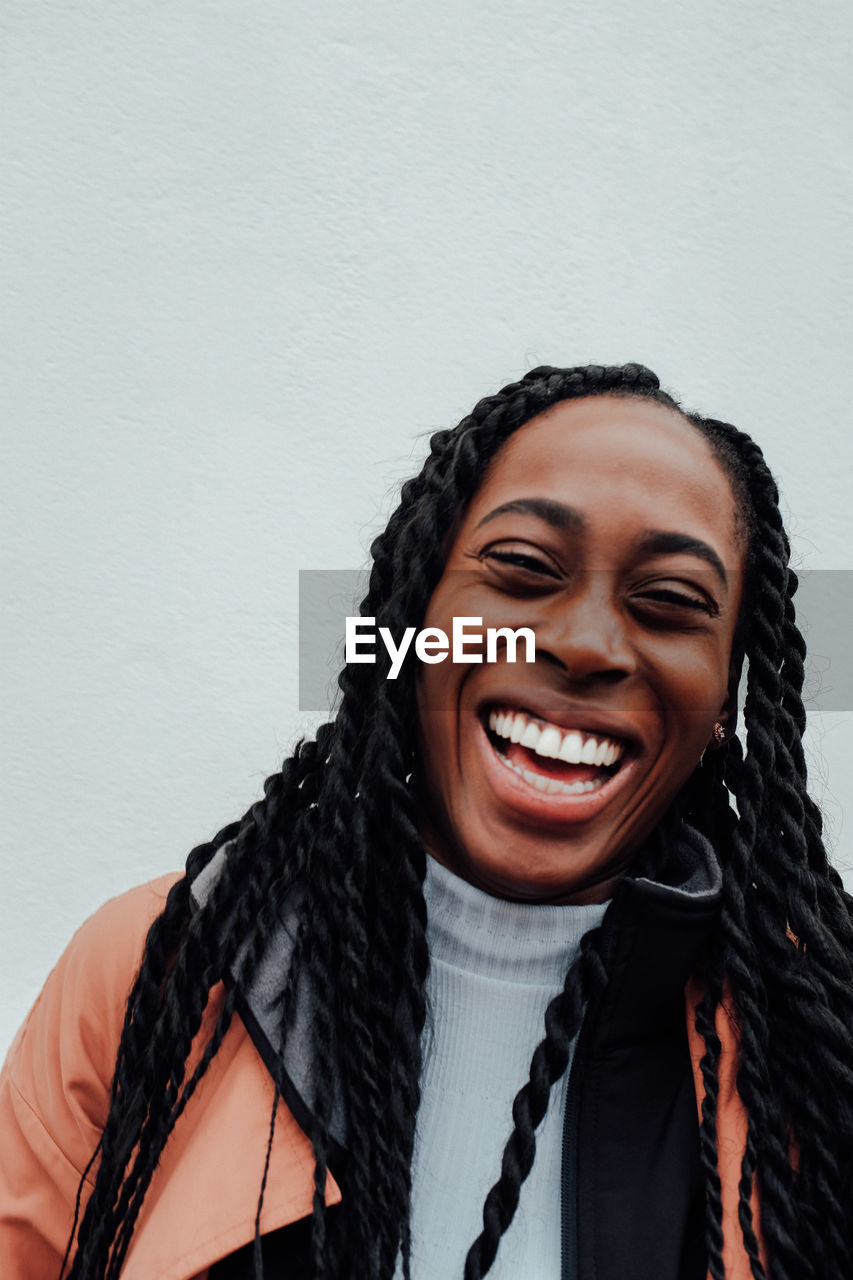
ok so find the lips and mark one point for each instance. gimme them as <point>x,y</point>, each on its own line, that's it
<point>550,769</point>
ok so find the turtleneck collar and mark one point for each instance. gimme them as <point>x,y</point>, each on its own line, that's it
<point>496,938</point>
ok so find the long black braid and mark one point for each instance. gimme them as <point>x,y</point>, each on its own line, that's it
<point>340,820</point>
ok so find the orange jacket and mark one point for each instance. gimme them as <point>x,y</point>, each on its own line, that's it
<point>201,1206</point>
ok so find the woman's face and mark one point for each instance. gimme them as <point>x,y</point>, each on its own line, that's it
<point>607,526</point>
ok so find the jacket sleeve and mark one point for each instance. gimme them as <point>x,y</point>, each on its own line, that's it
<point>55,1084</point>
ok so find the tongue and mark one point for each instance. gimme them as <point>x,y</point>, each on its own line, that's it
<point>549,768</point>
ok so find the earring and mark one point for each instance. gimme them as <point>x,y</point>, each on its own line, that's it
<point>719,734</point>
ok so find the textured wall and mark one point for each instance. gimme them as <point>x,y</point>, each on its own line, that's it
<point>256,252</point>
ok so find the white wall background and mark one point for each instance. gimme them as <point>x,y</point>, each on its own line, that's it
<point>254,252</point>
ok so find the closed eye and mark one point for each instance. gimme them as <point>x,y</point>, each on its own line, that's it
<point>521,560</point>
<point>682,601</point>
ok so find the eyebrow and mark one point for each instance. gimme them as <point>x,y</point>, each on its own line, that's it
<point>654,542</point>
<point>554,513</point>
<point>661,542</point>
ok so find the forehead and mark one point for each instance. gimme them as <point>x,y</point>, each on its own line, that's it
<point>617,459</point>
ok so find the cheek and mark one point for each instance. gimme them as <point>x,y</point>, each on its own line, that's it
<point>437,683</point>
<point>436,712</point>
<point>437,754</point>
<point>437,692</point>
<point>692,686</point>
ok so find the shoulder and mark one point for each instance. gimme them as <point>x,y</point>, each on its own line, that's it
<point>55,1084</point>
<point>62,1059</point>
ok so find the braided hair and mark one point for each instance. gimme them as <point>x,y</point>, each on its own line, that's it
<point>340,820</point>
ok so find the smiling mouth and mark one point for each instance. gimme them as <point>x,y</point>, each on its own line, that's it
<point>550,758</point>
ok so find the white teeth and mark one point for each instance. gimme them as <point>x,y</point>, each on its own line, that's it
<point>551,786</point>
<point>571,749</point>
<point>548,740</point>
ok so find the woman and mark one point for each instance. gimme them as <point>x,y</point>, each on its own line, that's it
<point>572,860</point>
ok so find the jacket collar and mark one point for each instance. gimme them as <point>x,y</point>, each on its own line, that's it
<point>291,1062</point>
<point>653,934</point>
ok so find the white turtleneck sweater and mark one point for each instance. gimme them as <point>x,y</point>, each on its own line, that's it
<point>494,967</point>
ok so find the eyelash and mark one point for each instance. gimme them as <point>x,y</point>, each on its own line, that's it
<point>686,602</point>
<point>532,564</point>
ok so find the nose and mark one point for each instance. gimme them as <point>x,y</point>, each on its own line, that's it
<point>586,633</point>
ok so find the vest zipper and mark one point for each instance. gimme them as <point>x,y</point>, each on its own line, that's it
<point>570,1262</point>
